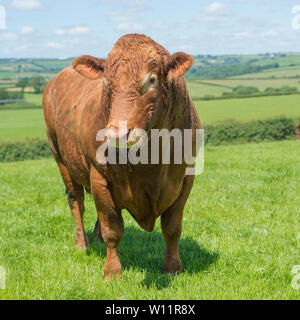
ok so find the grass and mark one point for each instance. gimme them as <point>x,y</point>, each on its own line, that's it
<point>4,75</point>
<point>282,61</point>
<point>245,110</point>
<point>260,84</point>
<point>199,89</point>
<point>21,124</point>
<point>34,98</point>
<point>277,73</point>
<point>239,238</point>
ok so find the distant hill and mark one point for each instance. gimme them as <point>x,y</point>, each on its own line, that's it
<point>222,67</point>
<point>205,66</point>
<point>11,69</point>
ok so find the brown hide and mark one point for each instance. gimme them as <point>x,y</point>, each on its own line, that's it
<point>141,83</point>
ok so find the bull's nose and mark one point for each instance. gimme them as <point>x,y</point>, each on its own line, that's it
<point>116,133</point>
<point>117,136</point>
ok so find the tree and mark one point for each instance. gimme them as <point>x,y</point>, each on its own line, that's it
<point>22,83</point>
<point>38,83</point>
<point>3,94</point>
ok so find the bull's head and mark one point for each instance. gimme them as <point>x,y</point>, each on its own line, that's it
<point>137,76</point>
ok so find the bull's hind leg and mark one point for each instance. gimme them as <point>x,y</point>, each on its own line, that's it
<point>75,194</point>
<point>111,221</point>
<point>171,224</point>
<point>97,232</point>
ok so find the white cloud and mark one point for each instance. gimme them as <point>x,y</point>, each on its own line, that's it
<point>22,48</point>
<point>26,30</point>
<point>285,44</point>
<point>139,5</point>
<point>26,4</point>
<point>216,8</point>
<point>77,30</point>
<point>217,13</point>
<point>54,45</point>
<point>128,18</point>
<point>269,34</point>
<point>126,22</point>
<point>130,5</point>
<point>9,36</point>
<point>243,35</point>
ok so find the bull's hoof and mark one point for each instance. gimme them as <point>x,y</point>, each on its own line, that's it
<point>81,241</point>
<point>112,270</point>
<point>172,266</point>
<point>97,232</point>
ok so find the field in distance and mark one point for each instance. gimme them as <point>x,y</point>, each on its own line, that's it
<point>22,124</point>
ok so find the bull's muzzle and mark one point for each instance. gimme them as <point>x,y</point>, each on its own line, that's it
<point>122,137</point>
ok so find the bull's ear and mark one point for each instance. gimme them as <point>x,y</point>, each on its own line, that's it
<point>179,63</point>
<point>90,67</point>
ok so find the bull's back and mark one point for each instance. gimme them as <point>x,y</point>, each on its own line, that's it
<point>64,101</point>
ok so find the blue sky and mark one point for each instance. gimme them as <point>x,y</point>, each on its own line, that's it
<point>66,28</point>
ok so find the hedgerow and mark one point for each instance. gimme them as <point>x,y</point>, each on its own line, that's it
<point>228,132</point>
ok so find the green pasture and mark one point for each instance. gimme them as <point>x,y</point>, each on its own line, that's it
<point>277,73</point>
<point>6,86</point>
<point>248,109</point>
<point>4,75</point>
<point>260,84</point>
<point>283,61</point>
<point>200,89</point>
<point>21,124</point>
<point>240,235</point>
<point>34,98</point>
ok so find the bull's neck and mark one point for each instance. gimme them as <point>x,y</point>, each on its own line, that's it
<point>179,105</point>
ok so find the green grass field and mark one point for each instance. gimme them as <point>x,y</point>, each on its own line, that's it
<point>249,109</point>
<point>239,240</point>
<point>200,89</point>
<point>277,73</point>
<point>4,75</point>
<point>23,124</point>
<point>34,98</point>
<point>285,61</point>
<point>260,84</point>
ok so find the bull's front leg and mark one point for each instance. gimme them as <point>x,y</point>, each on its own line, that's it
<point>171,224</point>
<point>111,221</point>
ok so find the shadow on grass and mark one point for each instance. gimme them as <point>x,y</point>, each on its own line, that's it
<point>145,252</point>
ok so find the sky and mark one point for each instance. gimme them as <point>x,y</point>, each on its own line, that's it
<point>69,28</point>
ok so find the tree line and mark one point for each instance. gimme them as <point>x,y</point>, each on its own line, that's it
<point>225,71</point>
<point>38,83</point>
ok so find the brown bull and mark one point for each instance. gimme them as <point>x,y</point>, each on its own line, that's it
<point>141,83</point>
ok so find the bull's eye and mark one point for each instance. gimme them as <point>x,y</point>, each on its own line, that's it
<point>150,83</point>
